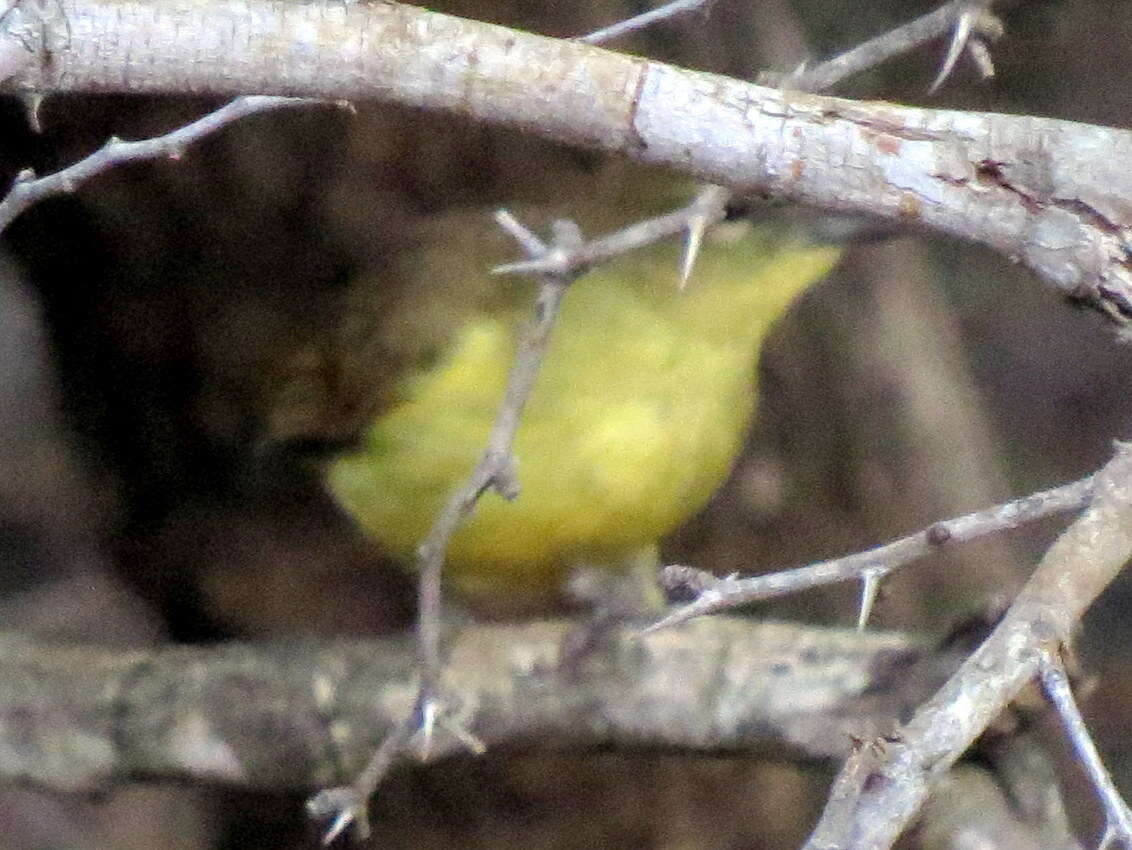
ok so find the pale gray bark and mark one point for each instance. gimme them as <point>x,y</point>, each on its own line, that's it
<point>308,714</point>
<point>1052,194</point>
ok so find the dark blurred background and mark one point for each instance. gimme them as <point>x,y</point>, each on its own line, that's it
<point>148,322</point>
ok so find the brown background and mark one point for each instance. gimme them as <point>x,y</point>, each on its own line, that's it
<point>146,321</point>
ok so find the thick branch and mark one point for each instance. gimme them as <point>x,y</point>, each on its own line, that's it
<point>307,715</point>
<point>1052,194</point>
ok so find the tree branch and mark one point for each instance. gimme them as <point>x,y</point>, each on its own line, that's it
<point>307,714</point>
<point>883,785</point>
<point>668,12</point>
<point>29,190</point>
<point>1051,194</point>
<point>902,39</point>
<point>719,594</point>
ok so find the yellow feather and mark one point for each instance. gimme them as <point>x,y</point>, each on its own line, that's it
<point>636,418</point>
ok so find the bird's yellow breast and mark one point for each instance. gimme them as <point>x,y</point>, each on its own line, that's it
<point>636,418</point>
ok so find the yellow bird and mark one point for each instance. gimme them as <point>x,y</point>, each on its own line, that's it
<point>636,418</point>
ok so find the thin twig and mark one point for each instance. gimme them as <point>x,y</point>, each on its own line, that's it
<point>667,12</point>
<point>495,471</point>
<point>1055,683</point>
<point>893,43</point>
<point>348,805</point>
<point>28,190</point>
<point>730,592</point>
<point>708,207</point>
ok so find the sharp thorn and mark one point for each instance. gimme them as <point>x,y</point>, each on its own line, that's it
<point>693,240</point>
<point>870,587</point>
<point>955,49</point>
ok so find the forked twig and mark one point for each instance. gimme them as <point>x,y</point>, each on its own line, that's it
<point>716,595</point>
<point>707,208</point>
<point>28,189</point>
<point>963,18</point>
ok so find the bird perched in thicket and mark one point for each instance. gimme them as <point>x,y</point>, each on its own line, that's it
<point>637,416</point>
